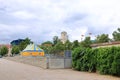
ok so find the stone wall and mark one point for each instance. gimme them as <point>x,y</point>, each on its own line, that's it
<point>35,61</point>
<point>43,62</point>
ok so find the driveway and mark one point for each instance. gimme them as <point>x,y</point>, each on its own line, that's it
<point>10,70</point>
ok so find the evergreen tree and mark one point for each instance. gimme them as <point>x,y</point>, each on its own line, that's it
<point>102,38</point>
<point>75,44</point>
<point>86,43</point>
<point>55,40</point>
<point>116,35</point>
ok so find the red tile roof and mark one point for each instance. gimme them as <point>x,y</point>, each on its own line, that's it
<point>7,45</point>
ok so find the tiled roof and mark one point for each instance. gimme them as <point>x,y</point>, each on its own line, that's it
<point>7,45</point>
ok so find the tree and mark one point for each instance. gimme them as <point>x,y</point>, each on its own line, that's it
<point>116,35</point>
<point>46,46</point>
<point>28,41</point>
<point>15,50</point>
<point>47,42</point>
<point>86,43</point>
<point>102,38</point>
<point>24,44</point>
<point>68,45</point>
<point>75,44</point>
<point>3,50</point>
<point>58,48</point>
<point>55,40</point>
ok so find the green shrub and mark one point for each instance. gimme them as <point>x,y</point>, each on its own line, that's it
<point>77,57</point>
<point>108,60</point>
<point>15,50</point>
<point>116,63</point>
<point>91,56</point>
<point>3,50</point>
<point>84,59</point>
<point>103,60</point>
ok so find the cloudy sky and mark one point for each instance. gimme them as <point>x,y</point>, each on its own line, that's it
<point>40,20</point>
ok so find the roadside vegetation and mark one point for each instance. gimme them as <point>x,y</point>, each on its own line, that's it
<point>101,60</point>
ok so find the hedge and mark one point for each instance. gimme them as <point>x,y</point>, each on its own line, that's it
<point>102,60</point>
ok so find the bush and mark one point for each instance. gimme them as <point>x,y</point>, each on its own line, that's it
<point>77,57</point>
<point>3,50</point>
<point>84,59</point>
<point>109,61</point>
<point>116,63</point>
<point>15,50</point>
<point>103,60</point>
<point>91,59</point>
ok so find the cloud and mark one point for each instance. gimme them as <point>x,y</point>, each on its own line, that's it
<point>23,15</point>
<point>42,19</point>
<point>74,18</point>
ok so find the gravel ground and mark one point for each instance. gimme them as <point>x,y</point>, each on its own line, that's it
<point>10,70</point>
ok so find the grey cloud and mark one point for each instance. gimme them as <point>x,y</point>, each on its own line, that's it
<point>75,17</point>
<point>47,18</point>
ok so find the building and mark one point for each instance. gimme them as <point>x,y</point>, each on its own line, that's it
<point>107,44</point>
<point>64,37</point>
<point>17,42</point>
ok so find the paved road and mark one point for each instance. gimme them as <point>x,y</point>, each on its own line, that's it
<point>10,70</point>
